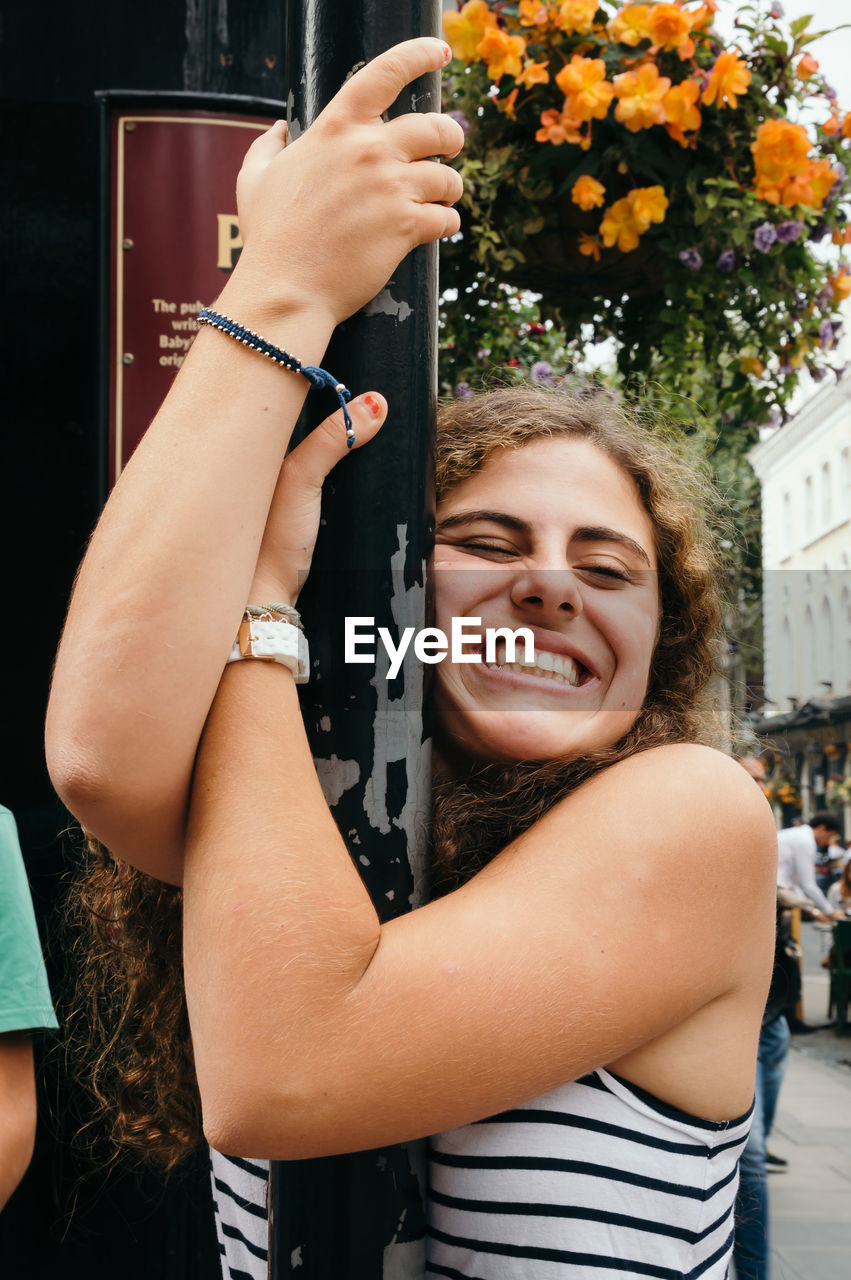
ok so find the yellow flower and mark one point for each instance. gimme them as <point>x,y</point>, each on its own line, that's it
<point>618,227</point>
<point>752,365</point>
<point>630,25</point>
<point>464,30</point>
<point>727,79</point>
<point>681,113</point>
<point>806,67</point>
<point>841,284</point>
<point>640,97</point>
<point>589,246</point>
<point>532,13</point>
<point>558,127</point>
<point>576,17</point>
<point>669,27</point>
<point>587,92</point>
<point>588,193</point>
<point>534,73</point>
<point>503,53</point>
<point>647,204</point>
<point>780,155</point>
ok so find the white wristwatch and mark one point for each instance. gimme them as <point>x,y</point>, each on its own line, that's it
<point>273,641</point>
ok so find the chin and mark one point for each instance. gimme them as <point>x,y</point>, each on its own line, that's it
<point>513,737</point>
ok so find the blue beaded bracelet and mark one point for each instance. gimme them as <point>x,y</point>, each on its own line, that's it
<point>316,377</point>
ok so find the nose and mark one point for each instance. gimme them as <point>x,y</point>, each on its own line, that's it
<point>547,593</point>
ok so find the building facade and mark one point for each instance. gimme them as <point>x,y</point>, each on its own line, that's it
<point>804,469</point>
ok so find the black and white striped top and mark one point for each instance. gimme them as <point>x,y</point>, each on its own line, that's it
<point>593,1179</point>
<point>240,1201</point>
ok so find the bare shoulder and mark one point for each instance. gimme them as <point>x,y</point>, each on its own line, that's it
<point>683,796</point>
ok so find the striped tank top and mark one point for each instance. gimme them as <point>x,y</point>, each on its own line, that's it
<point>595,1180</point>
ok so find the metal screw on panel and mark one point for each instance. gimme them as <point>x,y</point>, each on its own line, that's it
<point>128,357</point>
<point>129,126</point>
<point>127,243</point>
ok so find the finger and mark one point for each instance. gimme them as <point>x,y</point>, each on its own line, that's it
<point>434,222</point>
<point>430,133</point>
<point>435,183</point>
<point>373,89</point>
<point>311,461</point>
<point>266,147</point>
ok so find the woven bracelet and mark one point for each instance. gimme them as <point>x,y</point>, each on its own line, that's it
<point>316,377</point>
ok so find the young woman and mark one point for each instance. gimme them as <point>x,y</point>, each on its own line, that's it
<point>585,1042</point>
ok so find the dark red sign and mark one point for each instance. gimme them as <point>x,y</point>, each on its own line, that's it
<point>175,237</point>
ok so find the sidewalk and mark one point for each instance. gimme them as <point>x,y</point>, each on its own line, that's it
<point>811,1203</point>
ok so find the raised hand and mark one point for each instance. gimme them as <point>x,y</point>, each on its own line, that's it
<point>327,218</point>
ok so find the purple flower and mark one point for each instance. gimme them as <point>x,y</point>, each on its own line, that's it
<point>764,237</point>
<point>541,373</point>
<point>788,231</point>
<point>819,232</point>
<point>824,298</point>
<point>691,258</point>
<point>825,335</point>
<point>726,262</point>
<point>463,391</point>
<point>775,417</point>
<point>461,118</point>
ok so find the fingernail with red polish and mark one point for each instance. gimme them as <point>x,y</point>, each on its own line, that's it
<point>373,405</point>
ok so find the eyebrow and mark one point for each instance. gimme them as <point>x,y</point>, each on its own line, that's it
<point>586,533</point>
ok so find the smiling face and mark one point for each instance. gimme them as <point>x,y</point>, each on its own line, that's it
<point>554,537</point>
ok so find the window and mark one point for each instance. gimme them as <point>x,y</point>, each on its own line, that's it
<point>826,497</point>
<point>809,507</point>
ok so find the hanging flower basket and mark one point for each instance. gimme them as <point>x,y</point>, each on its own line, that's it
<point>652,182</point>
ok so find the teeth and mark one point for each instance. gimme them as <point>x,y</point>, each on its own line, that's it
<point>551,666</point>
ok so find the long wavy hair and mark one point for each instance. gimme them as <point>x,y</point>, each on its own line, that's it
<point>128,1033</point>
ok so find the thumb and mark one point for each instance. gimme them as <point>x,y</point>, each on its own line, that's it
<point>320,452</point>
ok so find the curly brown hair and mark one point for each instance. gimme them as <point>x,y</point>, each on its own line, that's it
<point>128,1029</point>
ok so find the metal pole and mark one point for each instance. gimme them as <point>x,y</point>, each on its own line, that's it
<point>360,1217</point>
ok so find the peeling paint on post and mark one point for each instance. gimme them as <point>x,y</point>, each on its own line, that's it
<point>361,1217</point>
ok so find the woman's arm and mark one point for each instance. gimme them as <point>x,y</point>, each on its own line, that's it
<point>173,561</point>
<point>17,1109</point>
<point>316,1029</point>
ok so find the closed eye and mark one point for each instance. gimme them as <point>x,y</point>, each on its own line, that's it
<point>490,549</point>
<point>607,571</point>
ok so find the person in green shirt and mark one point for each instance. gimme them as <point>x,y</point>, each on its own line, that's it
<point>25,1006</point>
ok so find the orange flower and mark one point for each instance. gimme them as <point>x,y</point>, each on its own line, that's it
<point>503,53</point>
<point>630,26</point>
<point>831,126</point>
<point>841,284</point>
<point>558,127</point>
<point>780,154</point>
<point>588,94</point>
<point>647,204</point>
<point>534,73</point>
<point>508,105</point>
<point>532,13</point>
<point>727,79</point>
<point>752,365</point>
<point>618,227</point>
<point>464,30</point>
<point>588,193</point>
<point>681,111</point>
<point>576,17</point>
<point>703,15</point>
<point>669,28</point>
<point>589,246</point>
<point>806,67</point>
<point>843,236</point>
<point>811,187</point>
<point>846,126</point>
<point>640,97</point>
